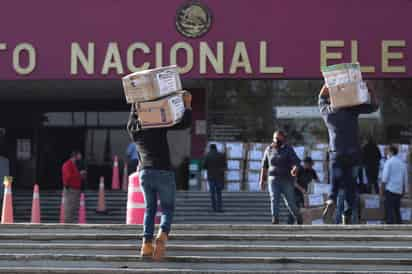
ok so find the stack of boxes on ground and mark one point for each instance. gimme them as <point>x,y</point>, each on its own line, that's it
<point>157,95</point>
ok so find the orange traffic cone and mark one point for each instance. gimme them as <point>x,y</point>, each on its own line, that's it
<point>82,209</point>
<point>125,178</point>
<point>7,213</point>
<point>101,203</point>
<point>62,209</point>
<point>115,176</point>
<point>35,208</point>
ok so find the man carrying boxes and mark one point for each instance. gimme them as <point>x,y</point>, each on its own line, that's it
<point>158,104</point>
<point>341,100</point>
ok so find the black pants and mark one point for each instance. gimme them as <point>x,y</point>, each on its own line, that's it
<point>393,208</point>
<point>372,175</point>
<point>132,166</point>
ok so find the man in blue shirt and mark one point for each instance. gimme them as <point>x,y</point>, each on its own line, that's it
<point>344,148</point>
<point>279,165</point>
<point>394,185</point>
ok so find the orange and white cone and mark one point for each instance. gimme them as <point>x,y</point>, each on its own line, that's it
<point>35,208</point>
<point>62,209</point>
<point>101,203</point>
<point>125,182</point>
<point>115,174</point>
<point>82,209</point>
<point>7,212</point>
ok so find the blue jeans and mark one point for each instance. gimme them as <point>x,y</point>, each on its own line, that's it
<point>285,188</point>
<point>215,189</point>
<point>340,206</point>
<point>344,171</point>
<point>158,183</point>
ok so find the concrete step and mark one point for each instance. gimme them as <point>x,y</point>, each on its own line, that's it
<point>205,263</point>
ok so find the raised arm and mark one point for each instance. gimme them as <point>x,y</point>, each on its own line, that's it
<point>323,102</point>
<point>186,121</point>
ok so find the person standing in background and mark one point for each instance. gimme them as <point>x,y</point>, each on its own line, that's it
<point>279,165</point>
<point>394,185</point>
<point>371,159</point>
<point>72,185</point>
<point>4,171</point>
<point>215,164</point>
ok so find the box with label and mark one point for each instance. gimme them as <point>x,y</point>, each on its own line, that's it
<point>253,187</point>
<point>312,215</point>
<point>235,150</point>
<point>234,175</point>
<point>300,151</point>
<point>349,95</point>
<point>234,164</point>
<point>254,165</point>
<point>319,188</point>
<point>318,155</point>
<point>252,176</point>
<point>341,74</point>
<point>255,155</point>
<point>371,207</point>
<point>151,84</point>
<point>233,186</point>
<point>314,200</point>
<point>164,112</point>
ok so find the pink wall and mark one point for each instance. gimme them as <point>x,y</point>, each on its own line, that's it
<point>293,30</point>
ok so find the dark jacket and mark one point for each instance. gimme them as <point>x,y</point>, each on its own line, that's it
<point>215,164</point>
<point>343,125</point>
<point>280,161</point>
<point>152,145</point>
<point>371,156</point>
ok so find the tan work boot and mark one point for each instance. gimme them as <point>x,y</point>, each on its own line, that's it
<point>160,248</point>
<point>147,249</point>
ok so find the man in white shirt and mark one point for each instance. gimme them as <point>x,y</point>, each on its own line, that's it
<point>394,184</point>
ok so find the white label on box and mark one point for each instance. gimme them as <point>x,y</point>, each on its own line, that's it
<point>372,202</point>
<point>166,81</point>
<point>317,155</point>
<point>406,214</point>
<point>233,187</point>
<point>233,164</point>
<point>234,150</point>
<point>178,107</point>
<point>257,146</point>
<point>374,222</point>
<point>204,174</point>
<point>315,199</point>
<point>319,188</point>
<point>363,94</point>
<point>192,182</point>
<point>318,166</point>
<point>321,176</point>
<point>253,177</point>
<point>317,222</point>
<point>233,175</point>
<point>255,155</point>
<point>254,165</point>
<point>254,187</point>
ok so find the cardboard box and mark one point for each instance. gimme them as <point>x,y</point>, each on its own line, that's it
<point>319,188</point>
<point>348,95</point>
<point>406,211</point>
<point>314,200</point>
<point>164,112</point>
<point>235,150</point>
<point>234,164</point>
<point>312,215</point>
<point>252,176</point>
<point>371,207</point>
<point>234,175</point>
<point>151,84</point>
<point>254,165</point>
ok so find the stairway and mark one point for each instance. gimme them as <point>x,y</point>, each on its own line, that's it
<point>191,208</point>
<point>213,248</point>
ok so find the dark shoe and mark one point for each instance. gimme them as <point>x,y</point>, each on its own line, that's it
<point>275,221</point>
<point>346,219</point>
<point>220,210</point>
<point>328,211</point>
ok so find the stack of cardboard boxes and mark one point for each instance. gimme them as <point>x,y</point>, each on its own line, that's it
<point>157,95</point>
<point>235,154</point>
<point>314,202</point>
<point>254,164</point>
